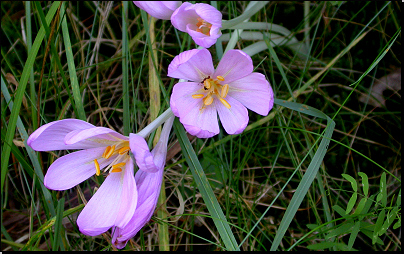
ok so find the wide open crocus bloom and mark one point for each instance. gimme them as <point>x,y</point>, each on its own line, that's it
<point>158,9</point>
<point>201,21</point>
<point>101,149</point>
<point>148,188</point>
<point>228,90</point>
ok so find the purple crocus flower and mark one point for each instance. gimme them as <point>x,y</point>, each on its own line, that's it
<point>148,189</point>
<point>201,21</point>
<point>101,149</point>
<point>158,9</point>
<point>228,90</point>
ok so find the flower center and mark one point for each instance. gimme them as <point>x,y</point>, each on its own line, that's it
<point>213,89</point>
<point>203,26</point>
<point>121,152</point>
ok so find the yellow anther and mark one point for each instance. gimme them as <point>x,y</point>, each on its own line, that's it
<point>220,78</point>
<point>208,100</point>
<point>118,165</point>
<point>224,91</point>
<point>106,151</point>
<point>197,96</point>
<point>110,152</point>
<point>207,83</point>
<point>116,170</point>
<point>123,150</point>
<point>225,103</point>
<point>97,167</point>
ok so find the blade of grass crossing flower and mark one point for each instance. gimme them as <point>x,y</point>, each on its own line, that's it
<point>205,189</point>
<point>31,153</point>
<point>72,67</point>
<point>311,171</point>
<point>12,122</point>
<point>125,69</point>
<point>254,7</point>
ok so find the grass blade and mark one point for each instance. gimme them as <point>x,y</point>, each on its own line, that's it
<point>72,66</point>
<point>205,189</point>
<point>311,172</point>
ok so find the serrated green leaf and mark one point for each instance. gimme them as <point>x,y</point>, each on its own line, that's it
<point>378,225</point>
<point>351,203</point>
<point>353,235</point>
<point>352,181</point>
<point>365,183</point>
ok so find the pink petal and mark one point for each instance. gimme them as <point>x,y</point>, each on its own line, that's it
<point>203,40</point>
<point>235,119</point>
<point>194,65</point>
<point>158,9</point>
<point>181,97</point>
<point>51,136</point>
<point>184,15</point>
<point>149,185</point>
<point>209,13</point>
<point>203,123</point>
<point>159,152</point>
<point>93,137</point>
<point>234,65</point>
<point>254,92</point>
<point>101,211</point>
<point>141,152</point>
<point>128,198</point>
<point>72,169</point>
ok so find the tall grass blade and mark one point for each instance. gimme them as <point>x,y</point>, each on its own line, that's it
<point>72,67</point>
<point>311,171</point>
<point>205,189</point>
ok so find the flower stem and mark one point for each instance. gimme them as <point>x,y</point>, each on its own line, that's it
<point>156,123</point>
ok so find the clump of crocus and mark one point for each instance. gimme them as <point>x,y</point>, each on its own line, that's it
<point>158,9</point>
<point>226,91</point>
<point>201,21</point>
<point>102,151</point>
<point>148,187</point>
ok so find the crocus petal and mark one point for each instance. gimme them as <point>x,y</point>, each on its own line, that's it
<point>203,40</point>
<point>234,119</point>
<point>141,152</point>
<point>201,123</point>
<point>149,185</point>
<point>101,211</point>
<point>184,15</point>
<point>254,92</point>
<point>72,169</point>
<point>194,65</point>
<point>235,64</point>
<point>188,15</point>
<point>129,196</point>
<point>93,136</point>
<point>158,9</point>
<point>181,98</point>
<point>50,137</point>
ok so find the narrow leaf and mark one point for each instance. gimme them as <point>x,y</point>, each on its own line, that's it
<point>352,181</point>
<point>365,183</point>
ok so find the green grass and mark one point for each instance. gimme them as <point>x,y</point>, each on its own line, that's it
<point>321,171</point>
